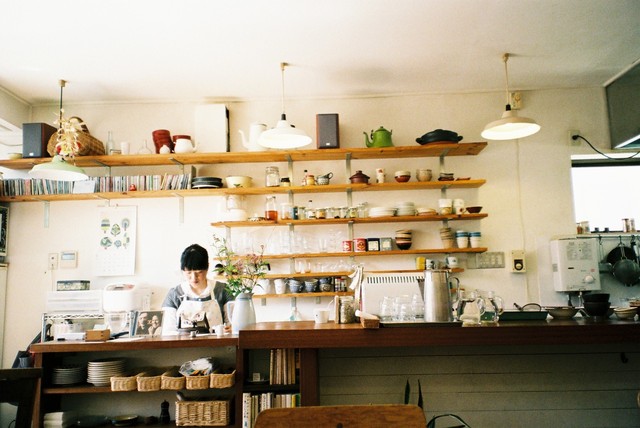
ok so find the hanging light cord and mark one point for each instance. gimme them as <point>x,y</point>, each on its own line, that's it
<point>505,58</point>
<point>282,66</point>
<point>62,84</point>
<point>577,136</point>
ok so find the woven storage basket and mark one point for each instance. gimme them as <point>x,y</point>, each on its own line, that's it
<point>172,380</point>
<point>222,380</point>
<point>88,145</point>
<point>124,383</point>
<point>197,382</point>
<point>149,380</point>
<point>203,413</point>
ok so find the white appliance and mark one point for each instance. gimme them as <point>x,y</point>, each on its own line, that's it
<point>376,286</point>
<point>575,264</point>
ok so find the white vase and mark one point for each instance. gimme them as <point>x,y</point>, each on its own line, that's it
<point>244,313</point>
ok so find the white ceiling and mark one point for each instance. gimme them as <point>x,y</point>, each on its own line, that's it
<point>122,50</point>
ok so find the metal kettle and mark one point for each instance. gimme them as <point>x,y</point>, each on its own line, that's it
<point>437,296</point>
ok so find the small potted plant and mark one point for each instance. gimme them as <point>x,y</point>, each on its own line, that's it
<point>242,274</point>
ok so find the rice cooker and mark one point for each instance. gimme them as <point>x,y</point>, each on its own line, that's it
<point>121,298</point>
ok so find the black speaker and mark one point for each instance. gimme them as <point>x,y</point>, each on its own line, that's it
<point>327,133</point>
<point>35,138</point>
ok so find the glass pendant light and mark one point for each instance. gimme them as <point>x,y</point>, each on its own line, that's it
<point>284,135</point>
<point>510,126</point>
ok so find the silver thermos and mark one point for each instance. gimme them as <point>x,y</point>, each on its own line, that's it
<point>437,296</point>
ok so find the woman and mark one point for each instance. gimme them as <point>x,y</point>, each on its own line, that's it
<point>196,296</point>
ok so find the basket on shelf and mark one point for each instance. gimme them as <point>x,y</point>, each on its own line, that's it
<point>222,380</point>
<point>203,413</point>
<point>124,383</point>
<point>150,380</point>
<point>197,382</point>
<point>172,380</point>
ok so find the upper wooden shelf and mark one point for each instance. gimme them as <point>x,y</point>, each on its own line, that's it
<point>429,150</point>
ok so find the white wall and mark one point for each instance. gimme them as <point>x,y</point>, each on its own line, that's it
<point>527,195</point>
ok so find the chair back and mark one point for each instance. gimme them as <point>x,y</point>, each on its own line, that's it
<point>358,416</point>
<point>19,387</point>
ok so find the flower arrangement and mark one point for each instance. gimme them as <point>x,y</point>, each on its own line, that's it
<point>242,272</point>
<point>67,136</point>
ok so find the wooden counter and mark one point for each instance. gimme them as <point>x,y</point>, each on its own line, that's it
<point>307,334</point>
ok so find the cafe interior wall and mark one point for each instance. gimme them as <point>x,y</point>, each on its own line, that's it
<point>527,194</point>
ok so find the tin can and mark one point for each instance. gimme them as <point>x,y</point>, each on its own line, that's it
<point>347,245</point>
<point>360,244</point>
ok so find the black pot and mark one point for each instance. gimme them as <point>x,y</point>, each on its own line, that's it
<point>439,135</point>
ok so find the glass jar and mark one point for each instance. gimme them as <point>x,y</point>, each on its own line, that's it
<point>270,209</point>
<point>286,211</point>
<point>272,177</point>
<point>347,310</point>
<point>321,213</point>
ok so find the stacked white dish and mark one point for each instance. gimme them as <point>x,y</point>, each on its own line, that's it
<point>68,375</point>
<point>100,371</point>
<point>406,208</point>
<point>382,212</point>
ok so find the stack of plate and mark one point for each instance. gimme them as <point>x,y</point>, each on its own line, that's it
<point>68,375</point>
<point>100,371</point>
<point>206,182</point>
<point>381,212</point>
<point>406,208</point>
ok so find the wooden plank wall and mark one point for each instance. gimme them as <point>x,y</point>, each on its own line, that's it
<point>562,386</point>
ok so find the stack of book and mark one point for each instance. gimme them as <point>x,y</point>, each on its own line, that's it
<point>283,364</point>
<point>252,404</point>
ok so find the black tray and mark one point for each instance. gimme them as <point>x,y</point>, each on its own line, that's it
<point>523,315</point>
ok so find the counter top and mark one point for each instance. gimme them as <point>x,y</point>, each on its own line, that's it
<point>307,334</point>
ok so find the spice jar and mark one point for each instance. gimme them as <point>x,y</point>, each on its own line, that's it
<point>310,180</point>
<point>270,209</point>
<point>321,213</point>
<point>272,177</point>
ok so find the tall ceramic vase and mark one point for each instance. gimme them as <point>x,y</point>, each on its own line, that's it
<point>244,313</point>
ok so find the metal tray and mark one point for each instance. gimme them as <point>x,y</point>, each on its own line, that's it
<point>523,315</point>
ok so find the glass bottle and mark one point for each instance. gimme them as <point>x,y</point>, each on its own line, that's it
<point>270,209</point>
<point>110,145</point>
<point>272,176</point>
<point>304,178</point>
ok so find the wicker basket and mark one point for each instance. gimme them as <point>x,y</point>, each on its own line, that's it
<point>203,413</point>
<point>88,145</point>
<point>197,382</point>
<point>222,380</point>
<point>150,380</point>
<point>172,380</point>
<point>124,383</point>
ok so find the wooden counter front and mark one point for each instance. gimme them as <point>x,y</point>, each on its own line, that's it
<point>307,334</point>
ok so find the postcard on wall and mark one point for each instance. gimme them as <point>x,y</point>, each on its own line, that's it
<point>115,241</point>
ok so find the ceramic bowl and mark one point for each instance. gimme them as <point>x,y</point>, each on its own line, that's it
<point>597,309</point>
<point>295,287</point>
<point>562,312</point>
<point>310,285</point>
<point>238,181</point>
<point>596,297</point>
<point>402,178</point>
<point>474,210</point>
<point>625,313</point>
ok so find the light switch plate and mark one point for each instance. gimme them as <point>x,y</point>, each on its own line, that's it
<point>488,260</point>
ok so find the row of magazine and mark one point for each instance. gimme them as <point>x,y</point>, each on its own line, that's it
<point>254,404</point>
<point>39,186</point>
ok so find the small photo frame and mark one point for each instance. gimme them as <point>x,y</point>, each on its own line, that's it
<point>386,244</point>
<point>148,323</point>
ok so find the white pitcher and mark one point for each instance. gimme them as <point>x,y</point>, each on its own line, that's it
<point>255,130</point>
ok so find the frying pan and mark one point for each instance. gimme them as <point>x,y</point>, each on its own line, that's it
<point>625,265</point>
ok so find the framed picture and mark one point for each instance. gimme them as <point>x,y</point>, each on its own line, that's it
<point>147,323</point>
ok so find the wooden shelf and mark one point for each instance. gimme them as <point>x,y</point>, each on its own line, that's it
<point>315,222</point>
<point>429,150</point>
<point>375,253</point>
<point>307,274</point>
<point>304,294</point>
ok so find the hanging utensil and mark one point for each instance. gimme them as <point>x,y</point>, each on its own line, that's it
<point>626,270</point>
<point>604,266</point>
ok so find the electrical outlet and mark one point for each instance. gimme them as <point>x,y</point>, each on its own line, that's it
<point>517,261</point>
<point>53,261</point>
<point>515,100</point>
<point>574,141</point>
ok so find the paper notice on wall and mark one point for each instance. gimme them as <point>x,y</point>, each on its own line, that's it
<point>115,241</point>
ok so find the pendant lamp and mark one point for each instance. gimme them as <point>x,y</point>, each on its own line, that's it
<point>510,126</point>
<point>284,135</point>
<point>59,169</point>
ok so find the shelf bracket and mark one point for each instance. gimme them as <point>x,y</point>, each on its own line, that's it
<point>102,164</point>
<point>46,214</point>
<point>180,207</point>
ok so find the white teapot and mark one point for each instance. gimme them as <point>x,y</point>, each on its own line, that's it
<point>184,145</point>
<point>254,134</point>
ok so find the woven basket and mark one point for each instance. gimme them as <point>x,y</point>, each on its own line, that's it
<point>197,382</point>
<point>203,413</point>
<point>150,380</point>
<point>172,380</point>
<point>124,383</point>
<point>88,145</point>
<point>222,380</point>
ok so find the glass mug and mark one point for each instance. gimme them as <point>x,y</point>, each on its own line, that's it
<point>494,306</point>
<point>470,308</point>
